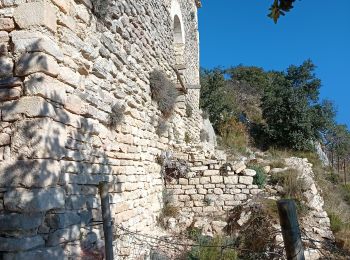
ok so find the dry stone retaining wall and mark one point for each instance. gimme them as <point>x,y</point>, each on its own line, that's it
<point>212,188</point>
<point>64,65</point>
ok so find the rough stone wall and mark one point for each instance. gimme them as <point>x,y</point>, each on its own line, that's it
<point>63,68</point>
<point>212,188</point>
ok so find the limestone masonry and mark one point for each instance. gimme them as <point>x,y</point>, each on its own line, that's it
<point>66,66</point>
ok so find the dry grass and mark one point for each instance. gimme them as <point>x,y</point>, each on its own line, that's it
<point>277,163</point>
<point>164,92</point>
<point>234,135</point>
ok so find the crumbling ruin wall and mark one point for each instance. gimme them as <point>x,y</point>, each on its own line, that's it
<point>68,68</point>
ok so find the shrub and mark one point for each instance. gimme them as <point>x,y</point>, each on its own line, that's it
<point>204,136</point>
<point>234,134</point>
<point>333,178</point>
<point>292,185</point>
<point>116,116</point>
<point>278,164</point>
<point>189,110</point>
<point>336,222</point>
<point>164,92</point>
<point>260,177</point>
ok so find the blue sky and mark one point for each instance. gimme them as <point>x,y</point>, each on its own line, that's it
<point>236,32</point>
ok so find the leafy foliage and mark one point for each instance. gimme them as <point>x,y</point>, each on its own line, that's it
<point>260,177</point>
<point>293,115</point>
<point>280,7</point>
<point>277,108</point>
<point>164,92</point>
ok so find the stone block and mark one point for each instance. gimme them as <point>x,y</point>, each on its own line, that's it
<point>216,179</point>
<point>63,5</point>
<point>17,222</point>
<point>211,172</point>
<point>184,198</point>
<point>194,181</point>
<point>204,180</point>
<point>198,168</point>
<point>7,94</point>
<point>39,138</point>
<point>247,180</point>
<point>35,200</point>
<point>231,180</point>
<point>218,191</point>
<point>255,191</point>
<point>62,220</point>
<point>9,244</point>
<point>64,235</point>
<point>191,191</point>
<point>240,197</point>
<point>75,202</point>
<point>4,37</point>
<point>6,67</point>
<point>29,106</point>
<point>202,191</point>
<point>29,173</point>
<point>29,63</point>
<point>42,85</point>
<point>75,105</point>
<point>10,82</point>
<point>267,168</point>
<point>6,24</point>
<point>27,41</point>
<point>68,76</point>
<point>35,14</point>
<point>249,172</point>
<point>239,167</point>
<point>37,254</point>
<point>5,139</point>
<point>183,181</point>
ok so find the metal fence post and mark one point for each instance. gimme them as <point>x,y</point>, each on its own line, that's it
<point>290,230</point>
<point>107,221</point>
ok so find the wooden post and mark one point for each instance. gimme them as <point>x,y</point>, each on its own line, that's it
<point>290,230</point>
<point>107,221</point>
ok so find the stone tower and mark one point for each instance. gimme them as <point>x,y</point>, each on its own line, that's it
<point>64,66</point>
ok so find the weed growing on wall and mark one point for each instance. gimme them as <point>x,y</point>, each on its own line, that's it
<point>116,116</point>
<point>164,92</point>
<point>188,138</point>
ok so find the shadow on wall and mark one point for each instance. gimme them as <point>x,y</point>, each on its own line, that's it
<point>50,173</point>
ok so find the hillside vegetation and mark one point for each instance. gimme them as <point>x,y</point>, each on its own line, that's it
<point>281,112</point>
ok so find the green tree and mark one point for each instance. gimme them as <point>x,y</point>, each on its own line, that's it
<point>291,108</point>
<point>217,98</point>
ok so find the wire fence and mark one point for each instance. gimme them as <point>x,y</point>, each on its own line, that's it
<point>134,244</point>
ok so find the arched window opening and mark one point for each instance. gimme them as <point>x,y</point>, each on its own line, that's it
<point>179,45</point>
